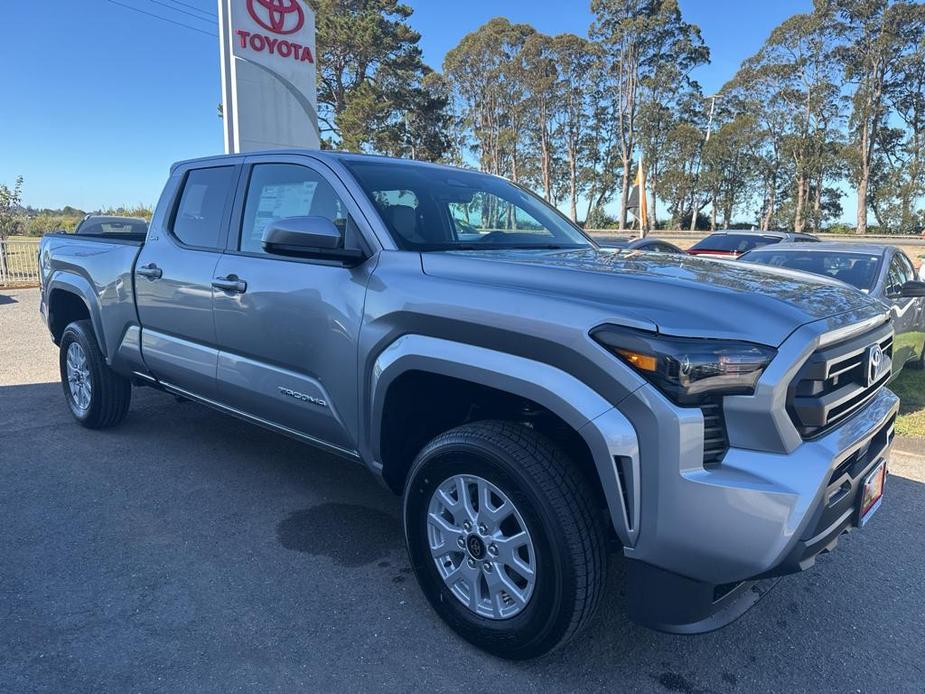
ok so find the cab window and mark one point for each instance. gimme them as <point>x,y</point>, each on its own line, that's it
<point>277,191</point>
<point>198,220</point>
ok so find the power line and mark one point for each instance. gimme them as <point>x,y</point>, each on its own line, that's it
<point>192,7</point>
<point>177,9</point>
<point>163,19</point>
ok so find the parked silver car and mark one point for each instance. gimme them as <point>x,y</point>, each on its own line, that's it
<point>882,271</point>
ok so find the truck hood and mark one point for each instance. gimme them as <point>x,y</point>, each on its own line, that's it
<point>674,294</point>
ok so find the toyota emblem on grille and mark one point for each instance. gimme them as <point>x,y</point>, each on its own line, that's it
<point>874,363</point>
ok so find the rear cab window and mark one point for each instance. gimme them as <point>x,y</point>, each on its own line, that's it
<point>199,214</point>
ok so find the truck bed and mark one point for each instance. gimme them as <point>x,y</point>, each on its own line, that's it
<point>100,269</point>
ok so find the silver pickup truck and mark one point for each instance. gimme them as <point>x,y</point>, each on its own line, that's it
<point>538,401</point>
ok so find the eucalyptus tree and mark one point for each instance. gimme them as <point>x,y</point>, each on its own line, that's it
<point>746,93</point>
<point>538,77</point>
<point>579,63</point>
<point>793,85</point>
<point>643,41</point>
<point>897,190</point>
<point>484,72</point>
<point>876,36</point>
<point>730,160</point>
<point>679,182</point>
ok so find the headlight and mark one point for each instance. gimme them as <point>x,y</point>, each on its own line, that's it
<point>688,370</point>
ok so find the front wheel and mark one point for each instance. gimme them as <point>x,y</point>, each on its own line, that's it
<point>504,538</point>
<point>97,396</point>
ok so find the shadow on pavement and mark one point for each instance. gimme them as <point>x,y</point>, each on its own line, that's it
<point>7,299</point>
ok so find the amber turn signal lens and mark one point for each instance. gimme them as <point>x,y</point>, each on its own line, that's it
<point>644,362</point>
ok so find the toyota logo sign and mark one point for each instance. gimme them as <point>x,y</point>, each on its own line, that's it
<point>278,16</point>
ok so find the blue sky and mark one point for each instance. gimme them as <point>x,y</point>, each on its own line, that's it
<point>96,101</point>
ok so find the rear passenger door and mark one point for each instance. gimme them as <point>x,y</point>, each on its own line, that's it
<point>288,331</point>
<point>173,277</point>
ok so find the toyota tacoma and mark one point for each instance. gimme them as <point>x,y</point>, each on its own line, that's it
<point>539,402</point>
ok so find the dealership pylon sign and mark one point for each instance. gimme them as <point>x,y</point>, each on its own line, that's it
<point>269,95</point>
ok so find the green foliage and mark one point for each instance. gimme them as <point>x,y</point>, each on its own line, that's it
<point>374,91</point>
<point>881,53</point>
<point>10,203</point>
<point>649,53</point>
<point>910,387</point>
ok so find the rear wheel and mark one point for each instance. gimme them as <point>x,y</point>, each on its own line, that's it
<point>504,539</point>
<point>97,396</point>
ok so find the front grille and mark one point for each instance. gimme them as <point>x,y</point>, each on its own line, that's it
<point>833,383</point>
<point>715,442</point>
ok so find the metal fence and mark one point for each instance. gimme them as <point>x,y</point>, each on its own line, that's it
<point>19,262</point>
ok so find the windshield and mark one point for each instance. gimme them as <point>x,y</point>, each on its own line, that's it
<point>435,209</point>
<point>858,269</point>
<point>734,243</point>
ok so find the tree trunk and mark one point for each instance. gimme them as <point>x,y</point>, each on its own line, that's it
<point>817,205</point>
<point>653,223</point>
<point>862,203</point>
<point>801,198</point>
<point>544,153</point>
<point>768,205</point>
<point>864,178</point>
<point>625,194</point>
<point>573,183</point>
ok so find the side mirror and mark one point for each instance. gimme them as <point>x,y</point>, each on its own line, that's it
<point>912,289</point>
<point>309,237</point>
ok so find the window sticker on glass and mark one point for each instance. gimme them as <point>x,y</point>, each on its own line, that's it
<point>282,200</point>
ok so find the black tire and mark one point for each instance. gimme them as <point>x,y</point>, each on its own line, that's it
<point>110,393</point>
<point>556,503</point>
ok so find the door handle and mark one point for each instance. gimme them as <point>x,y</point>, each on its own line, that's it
<point>151,271</point>
<point>231,283</point>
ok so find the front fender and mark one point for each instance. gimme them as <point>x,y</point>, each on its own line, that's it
<point>608,434</point>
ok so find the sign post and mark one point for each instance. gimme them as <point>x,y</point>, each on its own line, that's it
<point>269,95</point>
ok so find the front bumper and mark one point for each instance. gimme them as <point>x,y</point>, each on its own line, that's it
<point>712,541</point>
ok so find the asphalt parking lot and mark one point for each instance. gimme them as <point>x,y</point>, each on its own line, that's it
<point>187,551</point>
